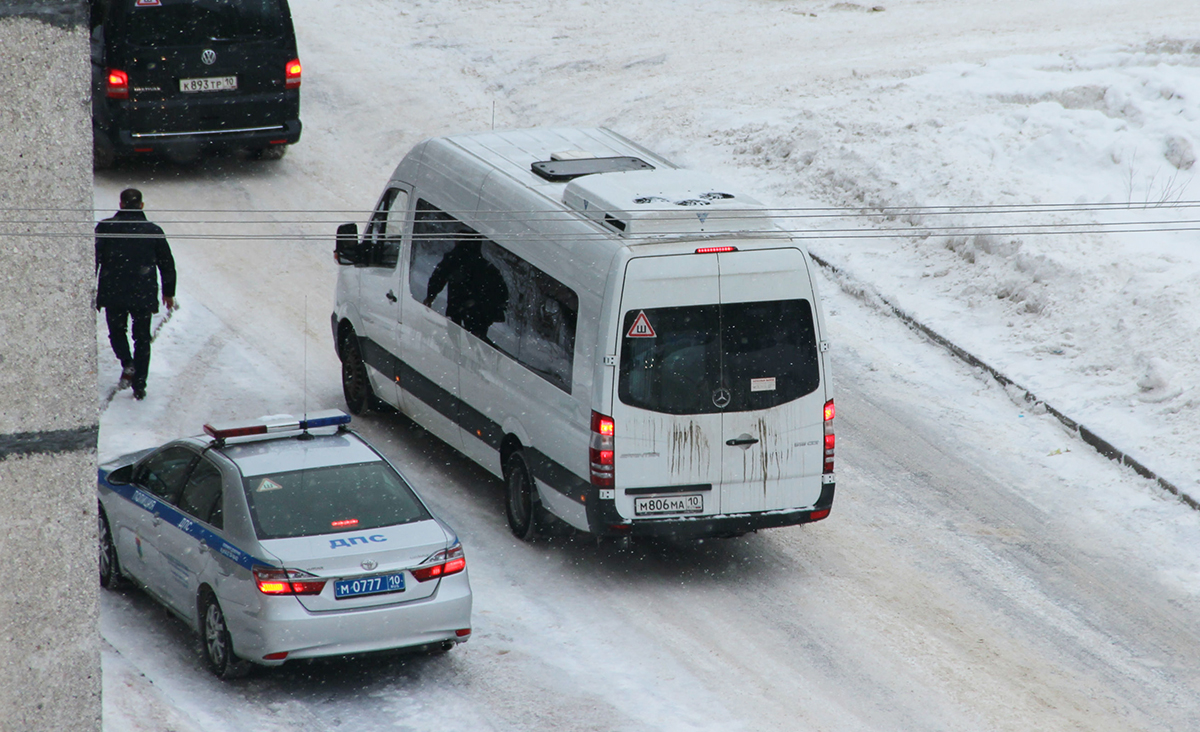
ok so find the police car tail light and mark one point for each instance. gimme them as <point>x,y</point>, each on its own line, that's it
<point>829,440</point>
<point>716,250</point>
<point>446,562</point>
<point>291,74</point>
<point>274,581</point>
<point>117,84</point>
<point>600,452</point>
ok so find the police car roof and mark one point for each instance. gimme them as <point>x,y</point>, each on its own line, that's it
<point>288,453</point>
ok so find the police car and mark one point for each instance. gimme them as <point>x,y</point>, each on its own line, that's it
<point>283,539</point>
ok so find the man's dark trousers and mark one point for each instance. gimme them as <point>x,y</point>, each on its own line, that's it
<point>118,321</point>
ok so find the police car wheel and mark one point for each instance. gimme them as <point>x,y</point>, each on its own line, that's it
<point>520,498</point>
<point>218,646</point>
<point>110,569</point>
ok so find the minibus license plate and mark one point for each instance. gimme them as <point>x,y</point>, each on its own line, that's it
<point>691,503</point>
<point>368,585</point>
<point>215,83</point>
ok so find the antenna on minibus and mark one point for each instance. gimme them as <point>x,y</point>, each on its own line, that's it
<point>493,115</point>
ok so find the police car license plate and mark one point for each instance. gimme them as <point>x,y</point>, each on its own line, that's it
<point>691,503</point>
<point>368,586</point>
<point>213,83</point>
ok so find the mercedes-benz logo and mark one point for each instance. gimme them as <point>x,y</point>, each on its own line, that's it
<point>209,56</point>
<point>369,565</point>
<point>721,398</point>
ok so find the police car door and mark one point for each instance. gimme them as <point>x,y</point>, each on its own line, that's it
<point>667,427</point>
<point>379,293</point>
<point>771,442</point>
<point>158,480</point>
<point>187,537</point>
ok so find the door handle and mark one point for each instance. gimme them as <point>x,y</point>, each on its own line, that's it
<point>203,548</point>
<point>742,441</point>
<point>157,520</point>
<point>391,296</point>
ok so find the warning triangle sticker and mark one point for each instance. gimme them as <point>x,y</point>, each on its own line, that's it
<point>641,327</point>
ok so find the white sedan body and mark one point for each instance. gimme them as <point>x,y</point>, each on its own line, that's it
<point>201,517</point>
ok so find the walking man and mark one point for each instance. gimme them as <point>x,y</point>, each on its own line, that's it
<point>131,253</point>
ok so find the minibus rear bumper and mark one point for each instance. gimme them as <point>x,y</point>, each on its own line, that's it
<point>605,521</point>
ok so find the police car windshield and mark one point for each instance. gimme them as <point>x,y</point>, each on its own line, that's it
<point>330,500</point>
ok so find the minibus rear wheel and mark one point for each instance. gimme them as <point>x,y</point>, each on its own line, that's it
<point>521,503</point>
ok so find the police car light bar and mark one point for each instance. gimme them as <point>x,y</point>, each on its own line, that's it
<point>282,423</point>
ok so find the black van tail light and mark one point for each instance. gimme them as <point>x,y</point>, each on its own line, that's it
<point>600,452</point>
<point>291,74</point>
<point>829,440</point>
<point>117,84</point>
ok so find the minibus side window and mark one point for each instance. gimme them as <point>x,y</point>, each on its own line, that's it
<point>382,242</point>
<point>526,315</point>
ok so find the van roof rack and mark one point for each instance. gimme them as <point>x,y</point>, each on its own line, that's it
<point>558,171</point>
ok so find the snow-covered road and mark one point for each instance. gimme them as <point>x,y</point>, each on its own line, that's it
<point>982,569</point>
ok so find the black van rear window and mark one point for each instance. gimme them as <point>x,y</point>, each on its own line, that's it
<point>734,357</point>
<point>195,22</point>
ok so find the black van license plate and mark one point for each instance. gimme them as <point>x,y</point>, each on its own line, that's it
<point>691,503</point>
<point>211,84</point>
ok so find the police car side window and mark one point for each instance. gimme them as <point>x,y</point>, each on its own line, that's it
<point>163,473</point>
<point>201,495</point>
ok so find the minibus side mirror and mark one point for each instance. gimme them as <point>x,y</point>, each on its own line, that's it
<point>347,249</point>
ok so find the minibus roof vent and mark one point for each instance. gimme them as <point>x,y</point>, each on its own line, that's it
<point>667,203</point>
<point>561,171</point>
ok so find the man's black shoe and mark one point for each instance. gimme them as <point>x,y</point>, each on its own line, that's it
<point>139,394</point>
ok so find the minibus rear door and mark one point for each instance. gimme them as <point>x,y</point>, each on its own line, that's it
<point>667,429</point>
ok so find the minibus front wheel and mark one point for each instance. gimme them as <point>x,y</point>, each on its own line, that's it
<point>356,385</point>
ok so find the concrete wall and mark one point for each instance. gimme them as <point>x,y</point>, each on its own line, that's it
<point>49,641</point>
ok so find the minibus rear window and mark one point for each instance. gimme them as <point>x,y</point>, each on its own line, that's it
<point>677,360</point>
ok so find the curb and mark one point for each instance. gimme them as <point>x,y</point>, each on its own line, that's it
<point>1098,443</point>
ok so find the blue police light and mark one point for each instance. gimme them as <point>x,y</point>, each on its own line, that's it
<point>327,418</point>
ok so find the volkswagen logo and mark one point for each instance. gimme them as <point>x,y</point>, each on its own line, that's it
<point>369,565</point>
<point>209,57</point>
<point>721,398</point>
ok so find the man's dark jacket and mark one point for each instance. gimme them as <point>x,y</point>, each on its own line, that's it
<point>130,252</point>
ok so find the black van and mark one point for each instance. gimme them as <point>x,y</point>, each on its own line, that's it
<point>178,78</point>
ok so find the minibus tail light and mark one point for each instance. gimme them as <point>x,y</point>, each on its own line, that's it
<point>600,452</point>
<point>829,439</point>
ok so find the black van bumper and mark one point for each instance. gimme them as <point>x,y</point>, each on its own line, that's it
<point>604,520</point>
<point>196,142</point>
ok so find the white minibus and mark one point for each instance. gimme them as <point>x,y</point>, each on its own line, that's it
<point>636,349</point>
